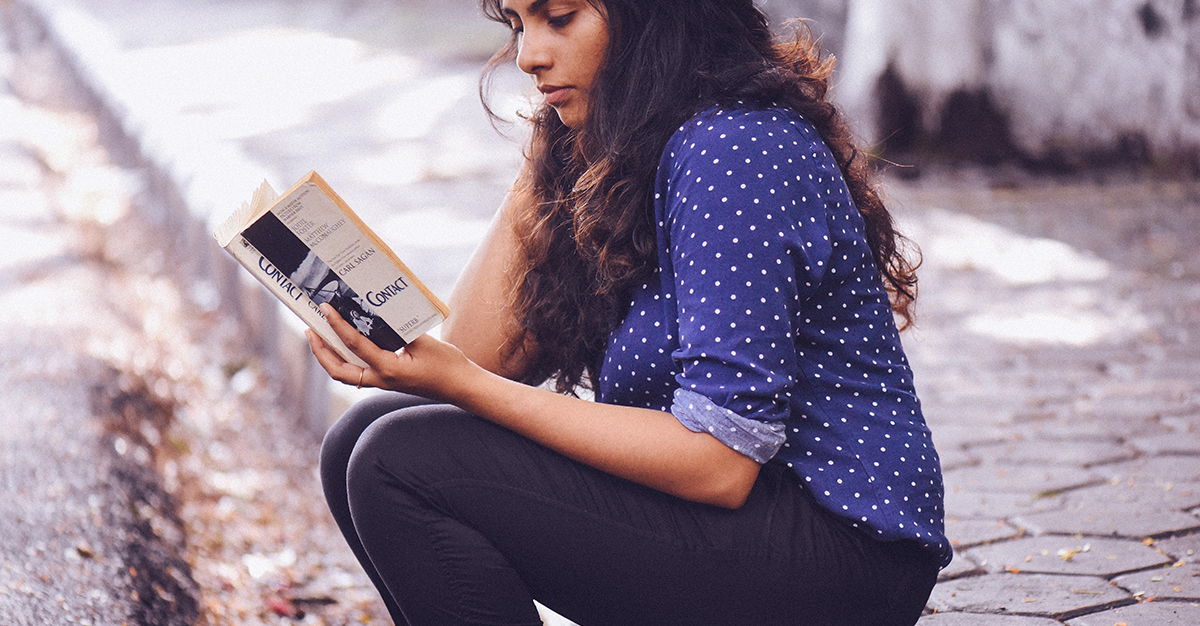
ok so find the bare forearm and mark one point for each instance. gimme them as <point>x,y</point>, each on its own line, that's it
<point>642,445</point>
<point>645,446</point>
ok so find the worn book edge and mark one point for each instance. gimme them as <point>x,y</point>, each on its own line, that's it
<point>229,234</point>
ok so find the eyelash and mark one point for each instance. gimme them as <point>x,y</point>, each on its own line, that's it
<point>561,20</point>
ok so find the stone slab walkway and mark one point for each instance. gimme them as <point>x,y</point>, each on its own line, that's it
<point>1056,358</point>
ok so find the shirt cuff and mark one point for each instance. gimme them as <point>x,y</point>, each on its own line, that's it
<point>757,440</point>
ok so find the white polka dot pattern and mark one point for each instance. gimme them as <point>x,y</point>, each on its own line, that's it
<point>767,305</point>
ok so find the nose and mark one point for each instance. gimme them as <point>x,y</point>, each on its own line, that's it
<point>533,53</point>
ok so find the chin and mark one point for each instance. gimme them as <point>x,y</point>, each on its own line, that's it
<point>569,118</point>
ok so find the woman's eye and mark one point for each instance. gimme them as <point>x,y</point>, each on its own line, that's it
<point>560,21</point>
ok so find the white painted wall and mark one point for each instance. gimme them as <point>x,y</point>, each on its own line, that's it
<point>1072,75</point>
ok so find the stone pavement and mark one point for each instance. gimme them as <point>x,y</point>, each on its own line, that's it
<point>1056,351</point>
<point>1056,357</point>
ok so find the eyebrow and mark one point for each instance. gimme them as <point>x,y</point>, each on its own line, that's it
<point>536,7</point>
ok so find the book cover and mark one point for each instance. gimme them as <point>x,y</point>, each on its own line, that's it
<point>309,248</point>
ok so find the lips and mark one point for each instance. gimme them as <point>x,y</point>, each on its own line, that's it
<point>555,94</point>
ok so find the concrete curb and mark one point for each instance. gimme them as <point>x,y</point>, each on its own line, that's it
<point>92,535</point>
<point>190,183</point>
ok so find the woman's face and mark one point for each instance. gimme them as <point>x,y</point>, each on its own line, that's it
<point>561,44</point>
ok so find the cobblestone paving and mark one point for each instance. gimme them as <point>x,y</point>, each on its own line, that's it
<point>1056,358</point>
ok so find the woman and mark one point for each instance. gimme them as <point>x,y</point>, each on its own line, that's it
<point>682,241</point>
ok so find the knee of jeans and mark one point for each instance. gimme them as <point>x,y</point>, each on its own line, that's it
<point>338,444</point>
<point>412,447</point>
<point>341,438</point>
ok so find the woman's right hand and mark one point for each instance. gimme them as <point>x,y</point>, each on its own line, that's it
<point>425,367</point>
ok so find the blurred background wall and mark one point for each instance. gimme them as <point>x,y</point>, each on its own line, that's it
<point>1057,84</point>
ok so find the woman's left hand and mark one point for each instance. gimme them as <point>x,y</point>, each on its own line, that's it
<point>426,367</point>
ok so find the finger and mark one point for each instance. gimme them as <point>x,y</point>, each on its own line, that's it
<point>321,349</point>
<point>362,347</point>
<point>332,362</point>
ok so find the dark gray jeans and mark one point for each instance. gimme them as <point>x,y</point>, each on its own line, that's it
<point>459,521</point>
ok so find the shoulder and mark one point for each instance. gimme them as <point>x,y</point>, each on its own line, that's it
<point>744,143</point>
<point>747,147</point>
<point>737,128</point>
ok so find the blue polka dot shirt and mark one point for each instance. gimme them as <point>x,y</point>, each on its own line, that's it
<point>767,324</point>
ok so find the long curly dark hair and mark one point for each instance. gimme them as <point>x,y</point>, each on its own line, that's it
<point>590,237</point>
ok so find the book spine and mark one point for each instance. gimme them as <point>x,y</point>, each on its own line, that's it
<point>291,295</point>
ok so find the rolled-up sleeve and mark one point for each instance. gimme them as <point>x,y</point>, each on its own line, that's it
<point>757,440</point>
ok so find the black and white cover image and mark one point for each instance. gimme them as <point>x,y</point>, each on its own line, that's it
<point>301,265</point>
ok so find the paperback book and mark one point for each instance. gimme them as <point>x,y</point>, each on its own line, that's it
<point>309,248</point>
